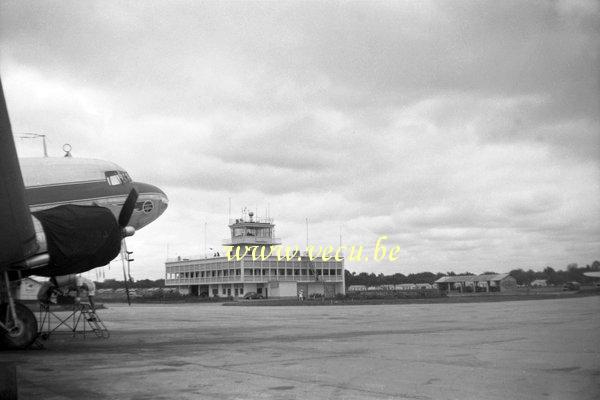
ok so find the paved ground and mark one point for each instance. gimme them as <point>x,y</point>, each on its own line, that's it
<point>546,349</point>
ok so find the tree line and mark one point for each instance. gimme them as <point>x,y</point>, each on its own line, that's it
<point>572,273</point>
<point>141,284</point>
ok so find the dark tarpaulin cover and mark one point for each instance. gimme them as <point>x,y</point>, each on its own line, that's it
<point>79,238</point>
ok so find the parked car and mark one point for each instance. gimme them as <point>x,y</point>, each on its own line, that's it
<point>253,295</point>
<point>571,286</point>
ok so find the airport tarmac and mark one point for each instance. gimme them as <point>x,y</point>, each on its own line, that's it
<point>546,349</point>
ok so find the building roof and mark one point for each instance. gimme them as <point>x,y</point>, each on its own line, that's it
<point>472,278</point>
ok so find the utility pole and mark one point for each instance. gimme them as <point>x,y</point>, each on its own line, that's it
<point>306,233</point>
<point>205,238</point>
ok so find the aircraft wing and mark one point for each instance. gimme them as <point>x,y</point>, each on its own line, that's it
<point>17,235</point>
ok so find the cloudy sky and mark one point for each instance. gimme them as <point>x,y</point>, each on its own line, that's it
<point>466,132</point>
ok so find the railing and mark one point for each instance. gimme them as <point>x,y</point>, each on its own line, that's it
<point>260,220</point>
<point>210,279</point>
<point>251,239</point>
<point>196,257</point>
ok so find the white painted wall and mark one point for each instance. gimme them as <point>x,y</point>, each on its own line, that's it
<point>284,289</point>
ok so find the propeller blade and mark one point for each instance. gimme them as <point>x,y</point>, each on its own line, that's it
<point>127,209</point>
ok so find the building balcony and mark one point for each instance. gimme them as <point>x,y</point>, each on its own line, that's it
<point>251,278</point>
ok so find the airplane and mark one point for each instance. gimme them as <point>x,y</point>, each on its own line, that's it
<point>60,216</point>
<point>55,181</point>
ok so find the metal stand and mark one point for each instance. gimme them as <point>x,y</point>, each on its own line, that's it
<point>82,318</point>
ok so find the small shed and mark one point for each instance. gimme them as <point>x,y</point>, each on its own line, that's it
<point>357,288</point>
<point>477,283</point>
<point>405,286</point>
<point>424,285</point>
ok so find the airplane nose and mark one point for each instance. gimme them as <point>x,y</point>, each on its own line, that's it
<point>164,202</point>
<point>155,193</point>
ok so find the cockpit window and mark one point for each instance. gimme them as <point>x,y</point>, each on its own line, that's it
<point>117,177</point>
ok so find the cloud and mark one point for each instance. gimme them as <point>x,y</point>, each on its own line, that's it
<point>468,133</point>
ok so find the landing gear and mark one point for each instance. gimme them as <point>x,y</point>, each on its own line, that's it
<point>18,326</point>
<point>22,332</point>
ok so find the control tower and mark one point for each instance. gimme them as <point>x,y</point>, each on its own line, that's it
<point>251,231</point>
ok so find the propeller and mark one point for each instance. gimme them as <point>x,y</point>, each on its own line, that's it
<point>124,217</point>
<point>127,210</point>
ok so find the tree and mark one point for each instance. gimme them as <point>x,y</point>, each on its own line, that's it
<point>549,271</point>
<point>520,276</point>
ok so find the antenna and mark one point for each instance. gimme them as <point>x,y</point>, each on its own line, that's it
<point>229,212</point>
<point>340,236</point>
<point>31,135</point>
<point>204,237</point>
<point>67,149</point>
<point>307,233</point>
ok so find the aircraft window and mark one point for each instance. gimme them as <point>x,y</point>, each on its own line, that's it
<point>112,177</point>
<point>238,232</point>
<point>117,177</point>
<point>125,178</point>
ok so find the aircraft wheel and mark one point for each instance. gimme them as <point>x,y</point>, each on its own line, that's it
<point>23,333</point>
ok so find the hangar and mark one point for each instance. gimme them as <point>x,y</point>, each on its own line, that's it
<point>271,276</point>
<point>477,283</point>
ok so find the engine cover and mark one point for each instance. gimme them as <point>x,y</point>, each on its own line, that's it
<point>78,238</point>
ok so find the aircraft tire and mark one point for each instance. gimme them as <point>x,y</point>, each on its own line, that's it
<point>27,332</point>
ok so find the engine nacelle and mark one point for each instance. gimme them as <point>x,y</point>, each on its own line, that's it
<point>73,239</point>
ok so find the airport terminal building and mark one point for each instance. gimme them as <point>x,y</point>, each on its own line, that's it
<point>272,277</point>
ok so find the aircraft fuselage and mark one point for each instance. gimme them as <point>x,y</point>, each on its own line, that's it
<point>50,182</point>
